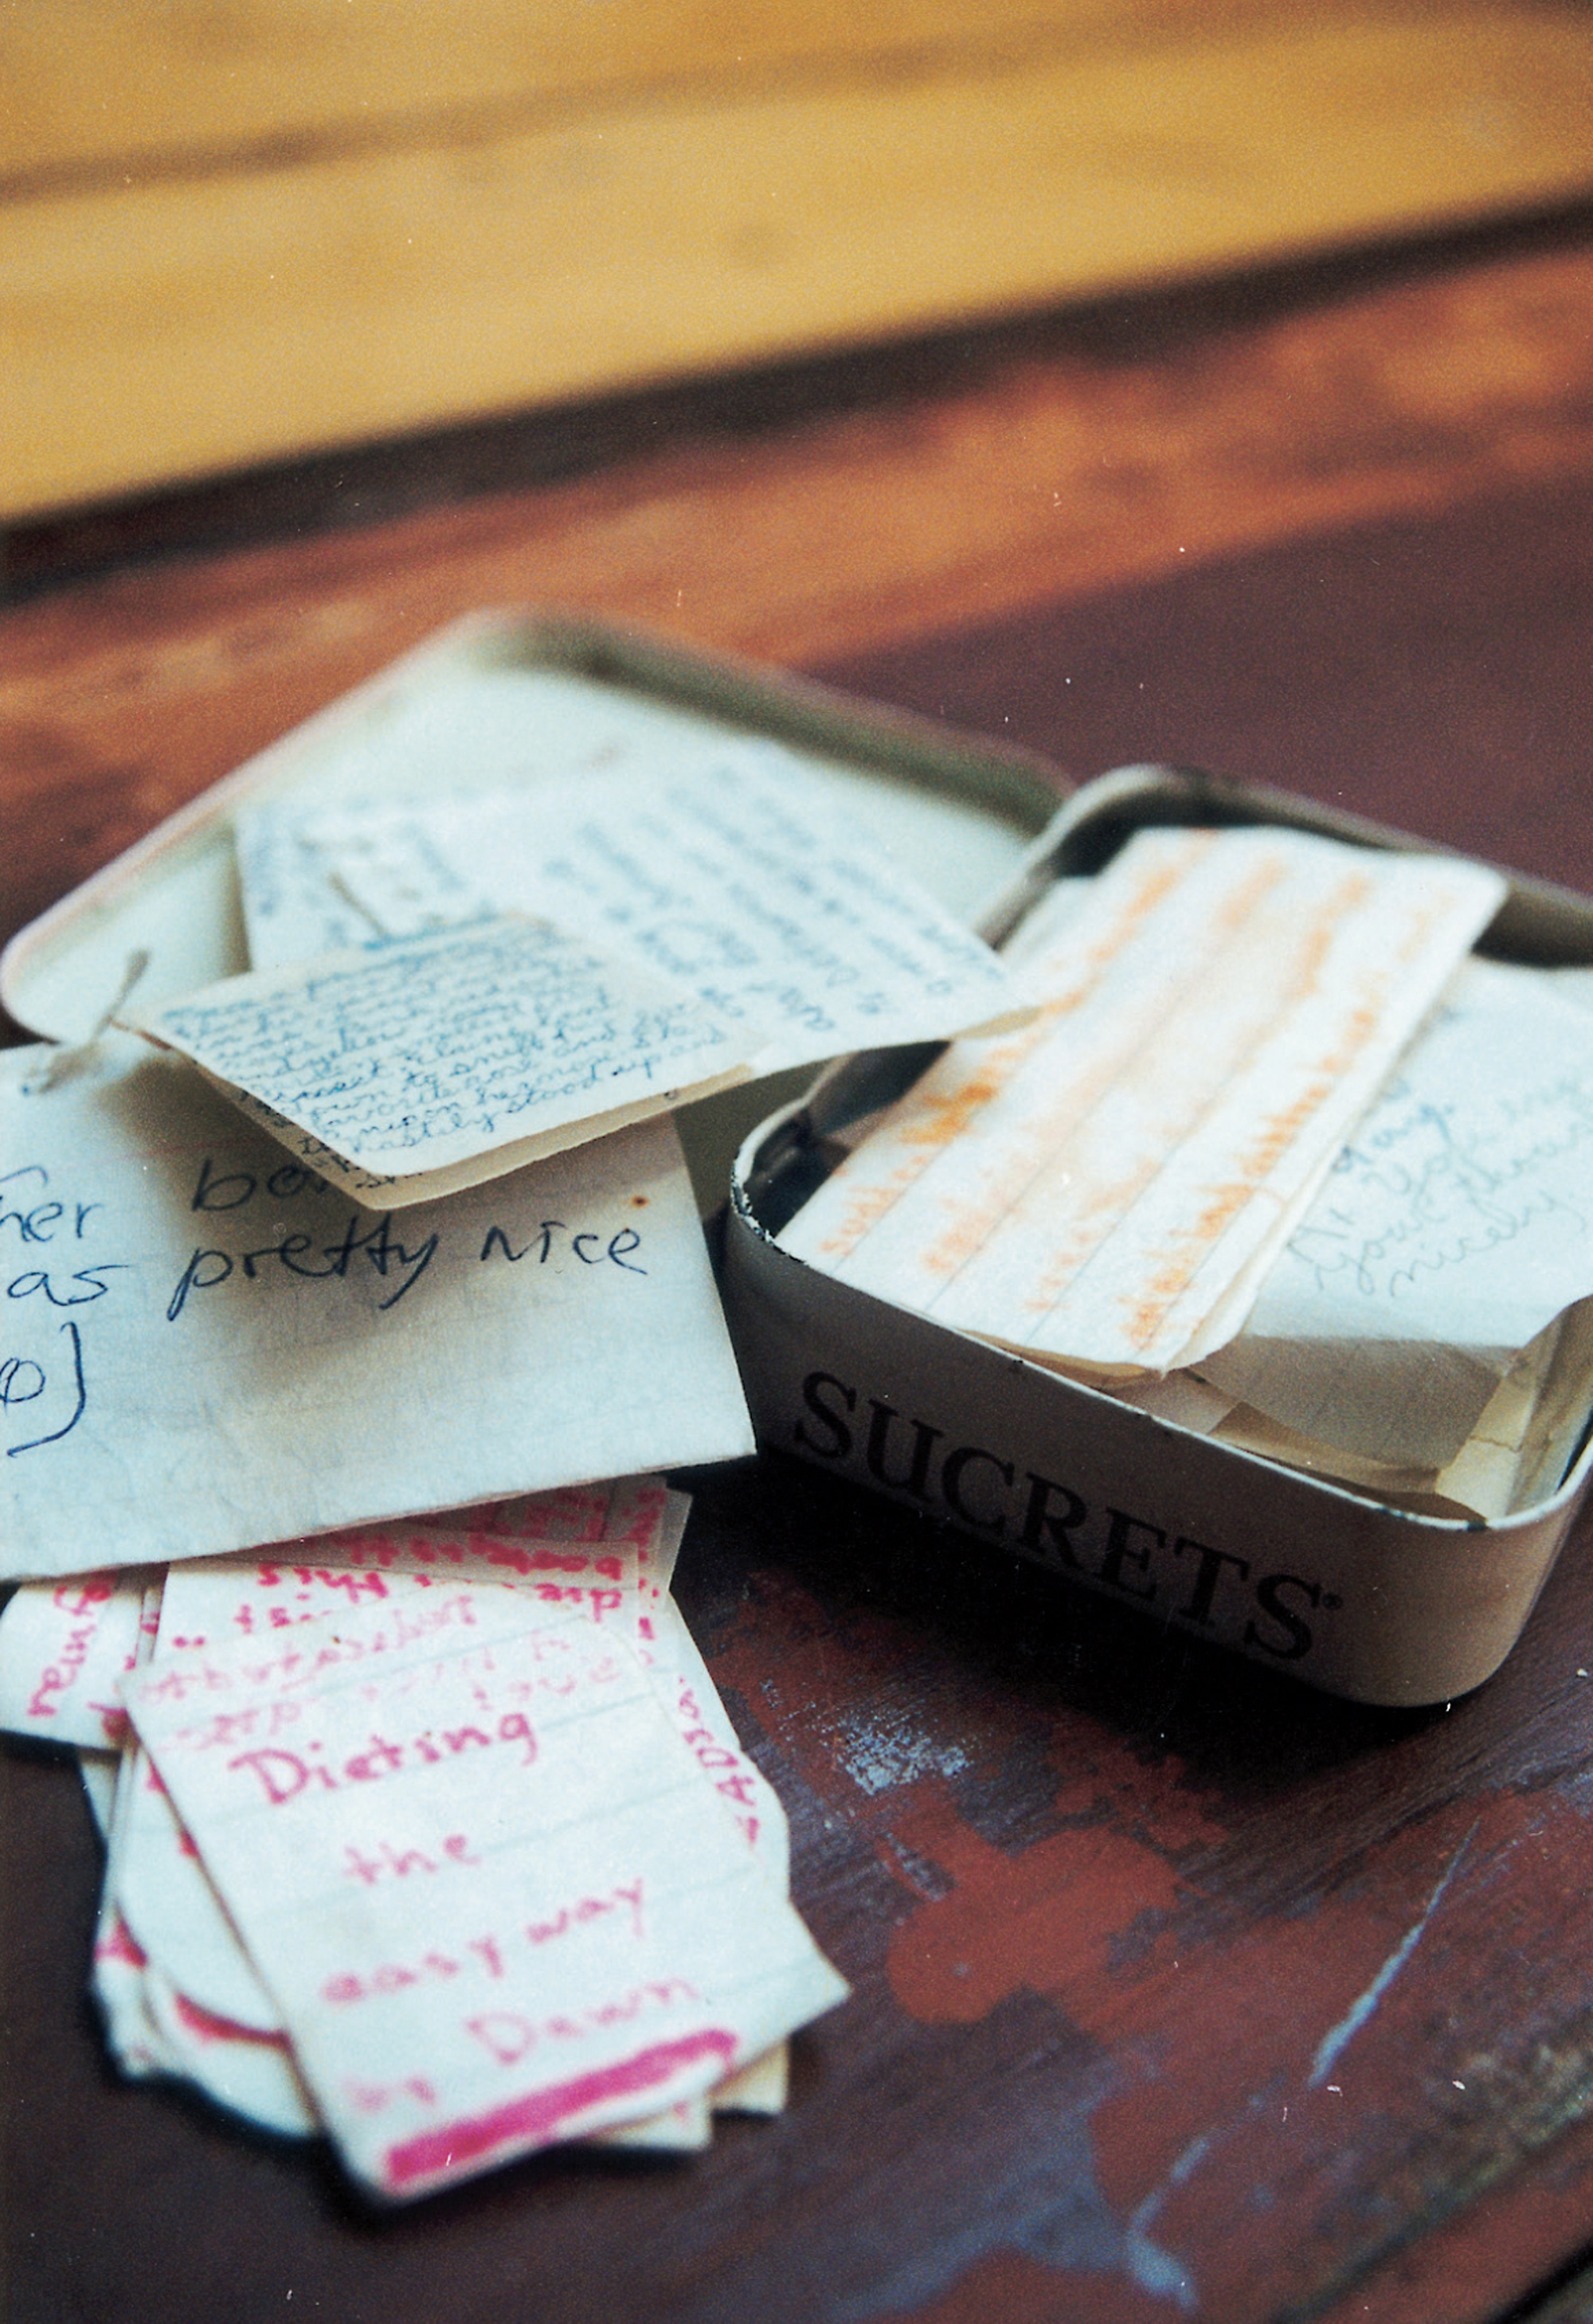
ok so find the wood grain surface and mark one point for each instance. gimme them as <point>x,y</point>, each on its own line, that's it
<point>238,232</point>
<point>200,83</point>
<point>1179,1991</point>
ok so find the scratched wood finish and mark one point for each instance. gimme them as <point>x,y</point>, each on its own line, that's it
<point>1179,1989</point>
<point>229,295</point>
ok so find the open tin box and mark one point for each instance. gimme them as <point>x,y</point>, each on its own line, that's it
<point>1356,1597</point>
<point>1352,1596</point>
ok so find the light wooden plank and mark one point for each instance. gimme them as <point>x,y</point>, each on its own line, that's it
<point>134,86</point>
<point>181,328</point>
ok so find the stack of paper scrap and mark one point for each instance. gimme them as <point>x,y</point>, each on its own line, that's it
<point>437,1839</point>
<point>1276,1161</point>
<point>409,1030</point>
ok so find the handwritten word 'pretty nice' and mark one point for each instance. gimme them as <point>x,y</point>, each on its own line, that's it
<point>301,1254</point>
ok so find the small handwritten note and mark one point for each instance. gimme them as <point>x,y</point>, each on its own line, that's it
<point>1104,1189</point>
<point>482,1876</point>
<point>176,1984</point>
<point>1457,1225</point>
<point>207,1346</point>
<point>419,1068</point>
<point>712,874</point>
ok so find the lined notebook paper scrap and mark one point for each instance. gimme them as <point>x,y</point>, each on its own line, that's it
<point>161,1886</point>
<point>208,1346</point>
<point>420,1068</point>
<point>482,1876</point>
<point>786,924</point>
<point>1499,1467</point>
<point>176,1978</point>
<point>1105,1189</point>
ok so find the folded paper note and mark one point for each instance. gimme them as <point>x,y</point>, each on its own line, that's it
<point>418,1068</point>
<point>1105,1189</point>
<point>177,1983</point>
<point>208,1346</point>
<point>481,1875</point>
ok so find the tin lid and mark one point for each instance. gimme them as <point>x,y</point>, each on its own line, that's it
<point>501,700</point>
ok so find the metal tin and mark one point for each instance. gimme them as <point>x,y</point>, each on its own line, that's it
<point>1358,1599</point>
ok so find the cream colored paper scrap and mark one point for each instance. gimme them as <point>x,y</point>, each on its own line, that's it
<point>687,2128</point>
<point>245,2060</point>
<point>484,1879</point>
<point>120,1963</point>
<point>1457,1225</point>
<point>414,1069</point>
<point>211,1601</point>
<point>152,2029</point>
<point>704,1726</point>
<point>1484,1479</point>
<point>608,1576</point>
<point>294,908</point>
<point>678,1668</point>
<point>161,1883</point>
<point>166,1896</point>
<point>186,1942</point>
<point>1104,1189</point>
<point>96,1769</point>
<point>167,1989</point>
<point>117,1983</point>
<point>210,1348</point>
